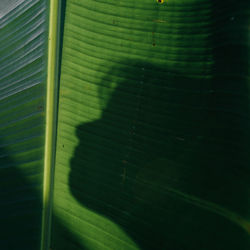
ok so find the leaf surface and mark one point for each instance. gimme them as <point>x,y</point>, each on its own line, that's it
<point>153,128</point>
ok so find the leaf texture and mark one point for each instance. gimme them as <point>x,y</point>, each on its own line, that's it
<point>23,62</point>
<point>153,127</point>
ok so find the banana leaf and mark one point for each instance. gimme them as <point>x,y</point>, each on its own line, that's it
<point>146,145</point>
<point>153,126</point>
<point>23,69</point>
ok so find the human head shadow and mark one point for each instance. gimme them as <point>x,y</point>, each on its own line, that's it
<point>164,137</point>
<point>162,133</point>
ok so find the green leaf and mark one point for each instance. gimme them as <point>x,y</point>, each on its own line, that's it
<point>153,141</point>
<point>23,62</point>
<point>151,146</point>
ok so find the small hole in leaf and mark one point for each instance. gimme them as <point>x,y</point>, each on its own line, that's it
<point>160,1</point>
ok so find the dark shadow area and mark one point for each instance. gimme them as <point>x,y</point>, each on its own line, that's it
<point>164,136</point>
<point>155,136</point>
<point>20,207</point>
